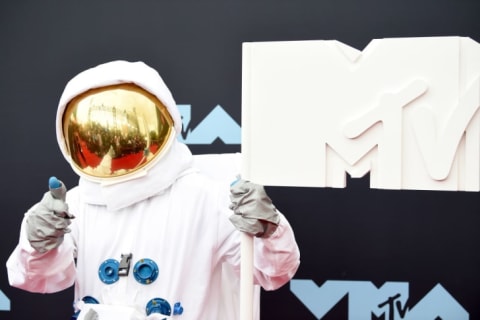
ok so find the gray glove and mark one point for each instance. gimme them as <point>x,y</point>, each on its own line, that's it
<point>48,221</point>
<point>254,212</point>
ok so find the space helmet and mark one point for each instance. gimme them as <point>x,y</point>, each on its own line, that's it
<point>116,120</point>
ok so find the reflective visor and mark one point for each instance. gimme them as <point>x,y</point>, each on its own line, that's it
<point>115,130</point>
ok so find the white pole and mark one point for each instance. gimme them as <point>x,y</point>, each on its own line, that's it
<point>246,277</point>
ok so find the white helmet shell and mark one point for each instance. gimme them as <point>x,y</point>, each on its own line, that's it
<point>114,73</point>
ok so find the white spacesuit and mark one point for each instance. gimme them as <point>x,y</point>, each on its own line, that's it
<point>145,235</point>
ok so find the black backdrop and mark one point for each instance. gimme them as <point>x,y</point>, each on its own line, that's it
<point>419,237</point>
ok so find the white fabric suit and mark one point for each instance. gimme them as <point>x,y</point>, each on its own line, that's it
<point>171,214</point>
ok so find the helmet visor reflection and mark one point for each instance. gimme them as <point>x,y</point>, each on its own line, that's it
<point>115,130</point>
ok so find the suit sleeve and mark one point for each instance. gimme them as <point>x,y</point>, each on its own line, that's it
<point>277,258</point>
<point>47,272</point>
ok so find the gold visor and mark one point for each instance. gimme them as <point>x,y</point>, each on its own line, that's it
<point>115,130</point>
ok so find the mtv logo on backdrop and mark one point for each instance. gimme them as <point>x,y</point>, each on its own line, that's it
<point>218,124</point>
<point>406,110</point>
<point>4,302</point>
<point>390,301</point>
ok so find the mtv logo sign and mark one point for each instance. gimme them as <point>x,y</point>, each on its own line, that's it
<point>404,109</point>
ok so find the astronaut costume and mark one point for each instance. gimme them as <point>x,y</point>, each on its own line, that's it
<point>144,235</point>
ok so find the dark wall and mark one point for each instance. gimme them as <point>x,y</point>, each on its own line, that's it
<point>419,237</point>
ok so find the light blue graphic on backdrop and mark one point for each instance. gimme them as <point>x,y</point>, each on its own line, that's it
<point>365,299</point>
<point>4,302</point>
<point>218,124</point>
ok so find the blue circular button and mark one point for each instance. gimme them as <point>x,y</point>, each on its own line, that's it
<point>90,299</point>
<point>158,305</point>
<point>108,271</point>
<point>145,271</point>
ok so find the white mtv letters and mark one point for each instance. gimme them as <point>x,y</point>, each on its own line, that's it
<point>406,110</point>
